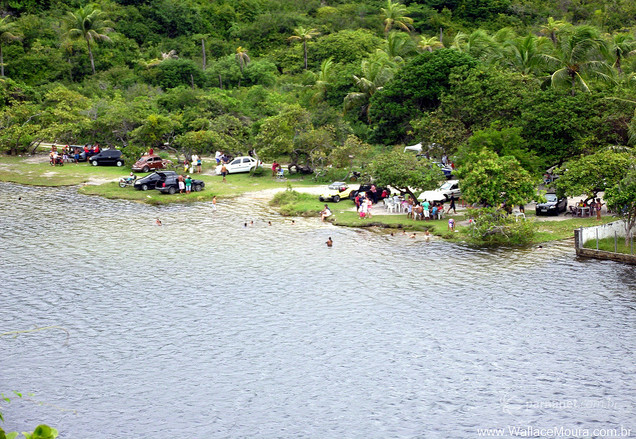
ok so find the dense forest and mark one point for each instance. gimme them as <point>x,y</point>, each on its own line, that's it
<point>331,81</point>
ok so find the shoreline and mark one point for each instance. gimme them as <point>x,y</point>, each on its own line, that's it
<point>102,181</point>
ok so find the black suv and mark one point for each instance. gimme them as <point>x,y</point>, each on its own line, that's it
<point>150,181</point>
<point>170,185</point>
<point>110,157</point>
<point>366,187</point>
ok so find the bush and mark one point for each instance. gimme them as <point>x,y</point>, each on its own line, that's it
<point>292,203</point>
<point>257,172</point>
<point>496,226</point>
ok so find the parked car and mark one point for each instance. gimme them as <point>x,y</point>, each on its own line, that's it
<point>150,162</point>
<point>552,206</point>
<point>366,187</point>
<point>110,157</point>
<point>336,191</point>
<point>170,185</point>
<point>150,181</point>
<point>240,164</point>
<point>443,193</point>
<point>446,169</point>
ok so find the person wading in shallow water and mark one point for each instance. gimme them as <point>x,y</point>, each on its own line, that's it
<point>329,242</point>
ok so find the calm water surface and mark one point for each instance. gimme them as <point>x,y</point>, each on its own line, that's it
<point>204,328</point>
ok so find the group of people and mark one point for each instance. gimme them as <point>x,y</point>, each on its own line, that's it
<point>185,183</point>
<point>221,157</point>
<point>73,154</point>
<point>427,210</point>
<point>594,206</point>
<point>193,165</point>
<point>364,203</point>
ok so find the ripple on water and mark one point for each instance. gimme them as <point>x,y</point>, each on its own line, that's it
<point>204,327</point>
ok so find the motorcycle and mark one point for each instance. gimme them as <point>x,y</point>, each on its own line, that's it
<point>127,181</point>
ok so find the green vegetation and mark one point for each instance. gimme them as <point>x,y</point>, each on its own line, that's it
<point>293,203</point>
<point>607,244</point>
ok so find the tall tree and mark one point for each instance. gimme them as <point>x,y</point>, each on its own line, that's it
<point>376,71</point>
<point>577,56</point>
<point>621,46</point>
<point>553,27</point>
<point>525,54</point>
<point>7,36</point>
<point>302,34</point>
<point>90,24</point>
<point>395,16</point>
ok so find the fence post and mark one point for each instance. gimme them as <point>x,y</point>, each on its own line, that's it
<point>596,230</point>
<point>615,242</point>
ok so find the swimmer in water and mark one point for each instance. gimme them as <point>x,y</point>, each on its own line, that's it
<point>329,242</point>
<point>158,222</point>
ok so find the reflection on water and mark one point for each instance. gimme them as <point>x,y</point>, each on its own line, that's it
<point>206,328</point>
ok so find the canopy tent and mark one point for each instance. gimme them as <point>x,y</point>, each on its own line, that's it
<point>417,148</point>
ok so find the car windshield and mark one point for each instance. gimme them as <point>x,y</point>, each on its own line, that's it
<point>336,186</point>
<point>446,186</point>
<point>551,198</point>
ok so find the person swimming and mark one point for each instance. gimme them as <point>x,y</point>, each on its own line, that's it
<point>329,242</point>
<point>158,222</point>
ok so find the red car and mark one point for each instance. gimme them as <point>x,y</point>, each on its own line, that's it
<point>149,163</point>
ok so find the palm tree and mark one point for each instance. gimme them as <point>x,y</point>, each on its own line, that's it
<point>242,57</point>
<point>397,46</point>
<point>6,37</point>
<point>579,54</point>
<point>302,34</point>
<point>90,24</point>
<point>525,54</point>
<point>478,44</point>
<point>621,46</point>
<point>324,79</point>
<point>376,71</point>
<point>395,15</point>
<point>553,27</point>
<point>429,44</point>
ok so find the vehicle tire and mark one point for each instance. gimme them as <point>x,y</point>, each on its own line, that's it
<point>144,187</point>
<point>119,163</point>
<point>122,184</point>
<point>172,191</point>
<point>94,163</point>
<point>353,178</point>
<point>145,169</point>
<point>321,199</point>
<point>197,188</point>
<point>336,198</point>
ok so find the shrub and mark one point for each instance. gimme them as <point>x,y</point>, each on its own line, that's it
<point>496,226</point>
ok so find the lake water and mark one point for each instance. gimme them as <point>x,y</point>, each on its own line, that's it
<point>205,328</point>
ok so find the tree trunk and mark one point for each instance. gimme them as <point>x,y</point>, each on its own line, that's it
<point>203,50</point>
<point>220,82</point>
<point>441,36</point>
<point>192,80</point>
<point>1,62</point>
<point>90,54</point>
<point>305,50</point>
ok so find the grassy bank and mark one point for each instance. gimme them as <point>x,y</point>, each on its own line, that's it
<point>607,244</point>
<point>102,181</point>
